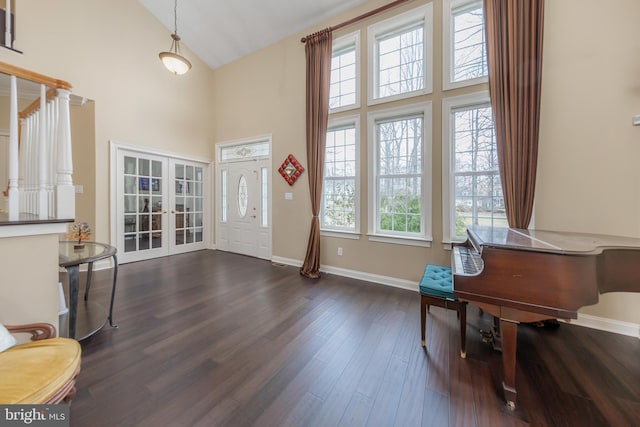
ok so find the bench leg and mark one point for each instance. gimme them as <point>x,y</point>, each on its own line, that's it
<point>423,317</point>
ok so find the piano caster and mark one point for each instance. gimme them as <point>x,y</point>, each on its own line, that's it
<point>422,343</point>
<point>463,354</point>
<point>511,405</point>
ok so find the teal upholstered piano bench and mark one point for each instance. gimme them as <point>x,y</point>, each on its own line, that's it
<point>436,288</point>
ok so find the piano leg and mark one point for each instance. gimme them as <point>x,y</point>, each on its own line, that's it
<point>509,333</point>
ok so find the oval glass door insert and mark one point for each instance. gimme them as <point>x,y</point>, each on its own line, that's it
<point>243,197</point>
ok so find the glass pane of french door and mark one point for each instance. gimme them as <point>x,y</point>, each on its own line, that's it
<point>142,232</point>
<point>188,206</point>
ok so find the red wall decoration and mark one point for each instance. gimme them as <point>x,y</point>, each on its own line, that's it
<point>290,169</point>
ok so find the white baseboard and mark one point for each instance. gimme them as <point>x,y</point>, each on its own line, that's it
<point>593,322</point>
<point>608,325</point>
<point>286,261</point>
<point>353,274</point>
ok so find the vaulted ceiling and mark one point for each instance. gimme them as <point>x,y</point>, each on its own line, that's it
<point>221,31</point>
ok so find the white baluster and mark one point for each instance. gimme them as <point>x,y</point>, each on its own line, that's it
<point>65,191</point>
<point>52,131</point>
<point>22,159</point>
<point>31,165</point>
<point>43,197</point>
<point>7,25</point>
<point>14,195</point>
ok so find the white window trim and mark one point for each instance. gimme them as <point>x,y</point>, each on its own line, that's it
<point>336,232</point>
<point>447,51</point>
<point>424,13</point>
<point>424,108</point>
<point>448,105</point>
<point>341,43</point>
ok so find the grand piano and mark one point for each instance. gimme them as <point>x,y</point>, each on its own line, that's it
<point>532,275</point>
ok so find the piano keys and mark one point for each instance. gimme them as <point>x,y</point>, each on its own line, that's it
<point>532,275</point>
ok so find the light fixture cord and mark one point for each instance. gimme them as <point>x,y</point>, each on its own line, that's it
<point>175,17</point>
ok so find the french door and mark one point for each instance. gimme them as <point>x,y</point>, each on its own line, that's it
<point>161,205</point>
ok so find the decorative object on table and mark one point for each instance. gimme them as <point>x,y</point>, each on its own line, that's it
<point>79,231</point>
<point>290,169</point>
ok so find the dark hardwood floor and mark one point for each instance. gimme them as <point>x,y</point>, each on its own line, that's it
<point>217,339</point>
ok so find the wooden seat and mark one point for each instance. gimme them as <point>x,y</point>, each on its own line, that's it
<point>42,371</point>
<point>436,288</point>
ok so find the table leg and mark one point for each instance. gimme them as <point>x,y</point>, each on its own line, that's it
<point>89,273</point>
<point>113,290</point>
<point>509,334</point>
<point>73,272</point>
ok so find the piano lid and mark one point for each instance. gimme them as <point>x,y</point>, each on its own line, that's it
<point>549,241</point>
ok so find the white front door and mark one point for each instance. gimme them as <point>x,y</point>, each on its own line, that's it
<point>243,202</point>
<point>243,220</point>
<point>161,205</point>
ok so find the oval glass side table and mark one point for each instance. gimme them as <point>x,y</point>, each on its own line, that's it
<point>71,257</point>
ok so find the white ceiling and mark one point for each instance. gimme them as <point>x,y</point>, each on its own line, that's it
<point>221,31</point>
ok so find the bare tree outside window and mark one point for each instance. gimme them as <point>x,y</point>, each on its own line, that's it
<point>338,210</point>
<point>399,175</point>
<point>342,90</point>
<point>478,192</point>
<point>469,51</point>
<point>401,62</point>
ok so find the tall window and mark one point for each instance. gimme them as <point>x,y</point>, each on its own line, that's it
<point>344,92</point>
<point>340,187</point>
<point>400,163</point>
<point>465,58</point>
<point>474,189</point>
<point>401,54</point>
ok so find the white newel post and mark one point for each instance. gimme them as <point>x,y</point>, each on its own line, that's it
<point>43,197</point>
<point>65,191</point>
<point>14,196</point>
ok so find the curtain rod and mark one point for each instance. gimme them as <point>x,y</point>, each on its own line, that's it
<point>358,18</point>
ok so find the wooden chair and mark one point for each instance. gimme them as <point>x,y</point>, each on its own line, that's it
<point>42,371</point>
<point>436,288</point>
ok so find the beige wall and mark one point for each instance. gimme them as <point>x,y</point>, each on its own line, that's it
<point>588,174</point>
<point>28,288</point>
<point>83,142</point>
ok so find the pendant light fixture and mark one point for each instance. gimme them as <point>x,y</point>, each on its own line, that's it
<point>173,60</point>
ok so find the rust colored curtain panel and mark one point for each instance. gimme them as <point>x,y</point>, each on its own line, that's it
<point>514,53</point>
<point>318,55</point>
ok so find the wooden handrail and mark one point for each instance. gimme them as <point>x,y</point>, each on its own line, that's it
<point>22,73</point>
<point>51,93</point>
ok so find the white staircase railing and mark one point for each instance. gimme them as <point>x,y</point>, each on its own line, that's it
<point>39,162</point>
